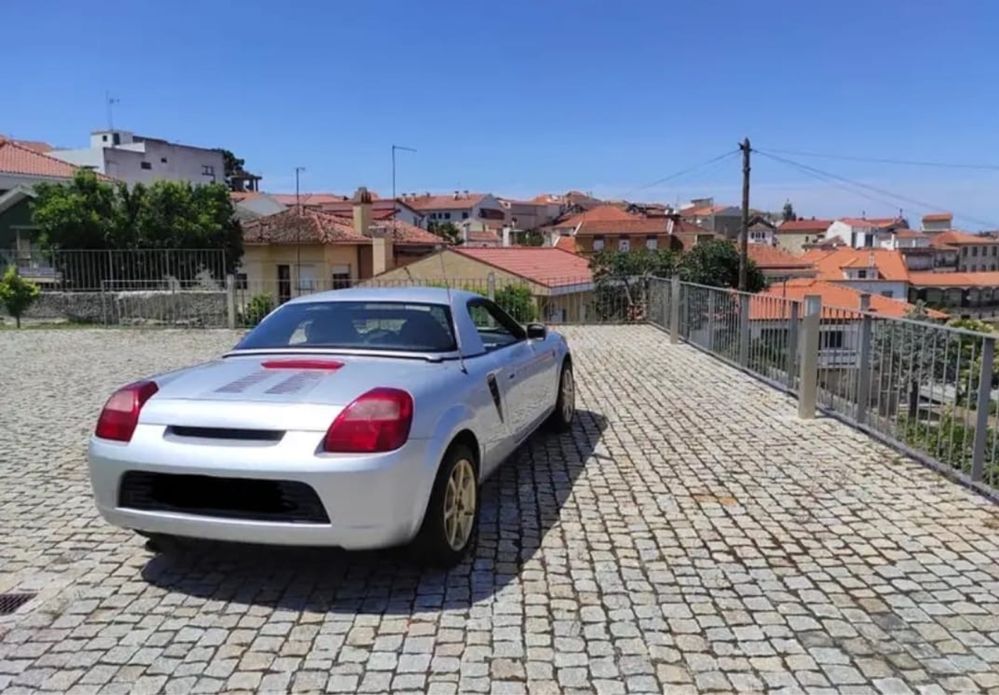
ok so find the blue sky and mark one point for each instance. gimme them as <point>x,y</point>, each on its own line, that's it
<point>523,96</point>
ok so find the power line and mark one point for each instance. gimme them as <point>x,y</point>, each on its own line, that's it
<point>875,189</point>
<point>885,160</point>
<point>675,175</point>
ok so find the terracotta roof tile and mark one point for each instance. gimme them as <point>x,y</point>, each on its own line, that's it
<point>444,202</point>
<point>830,263</point>
<point>309,227</point>
<point>954,237</point>
<point>601,213</point>
<point>803,226</point>
<point>878,222</point>
<point>547,266</point>
<point>943,280</point>
<point>768,257</point>
<point>23,161</point>
<point>938,217</point>
<point>567,243</point>
<point>834,296</point>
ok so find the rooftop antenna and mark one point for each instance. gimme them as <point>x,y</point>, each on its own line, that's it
<point>454,326</point>
<point>110,101</point>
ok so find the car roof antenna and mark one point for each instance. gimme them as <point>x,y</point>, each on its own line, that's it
<point>450,309</point>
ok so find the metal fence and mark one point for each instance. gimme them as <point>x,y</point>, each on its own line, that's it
<point>923,386</point>
<point>86,270</point>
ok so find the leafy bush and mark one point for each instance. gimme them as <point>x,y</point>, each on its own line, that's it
<point>517,301</point>
<point>257,308</point>
<point>16,294</point>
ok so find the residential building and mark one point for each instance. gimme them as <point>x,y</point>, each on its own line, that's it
<point>955,290</point>
<point>972,252</point>
<point>777,265</point>
<point>938,222</point>
<point>132,158</point>
<point>294,252</point>
<point>461,205</point>
<point>797,235</point>
<point>725,220</point>
<point>251,205</point>
<point>864,233</point>
<point>875,271</point>
<point>761,231</point>
<point>560,282</point>
<point>21,169</point>
<point>608,227</point>
<point>529,214</point>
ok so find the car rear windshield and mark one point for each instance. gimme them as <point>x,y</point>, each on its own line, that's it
<point>397,326</point>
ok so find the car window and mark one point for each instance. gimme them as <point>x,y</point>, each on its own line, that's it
<point>495,327</point>
<point>359,325</point>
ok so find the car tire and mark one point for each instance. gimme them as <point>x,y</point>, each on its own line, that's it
<point>561,418</point>
<point>449,527</point>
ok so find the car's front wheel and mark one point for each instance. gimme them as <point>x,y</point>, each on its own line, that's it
<point>453,511</point>
<point>565,405</point>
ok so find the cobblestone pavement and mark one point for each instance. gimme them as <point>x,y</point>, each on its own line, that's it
<point>689,534</point>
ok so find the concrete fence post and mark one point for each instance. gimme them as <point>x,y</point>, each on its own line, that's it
<point>744,330</point>
<point>982,409</point>
<point>230,300</point>
<point>864,360</point>
<point>710,342</point>
<point>491,285</point>
<point>792,344</point>
<point>674,310</point>
<point>809,377</point>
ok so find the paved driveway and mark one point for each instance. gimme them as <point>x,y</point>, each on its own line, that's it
<point>690,533</point>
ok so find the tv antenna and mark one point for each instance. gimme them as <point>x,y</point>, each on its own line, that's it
<point>110,101</point>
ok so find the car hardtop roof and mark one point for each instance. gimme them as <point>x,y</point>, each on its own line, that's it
<point>417,295</point>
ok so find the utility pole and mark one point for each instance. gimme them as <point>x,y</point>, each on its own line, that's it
<point>744,232</point>
<point>110,101</point>
<point>395,209</point>
<point>298,232</point>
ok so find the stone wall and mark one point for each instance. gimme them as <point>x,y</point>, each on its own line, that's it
<point>181,308</point>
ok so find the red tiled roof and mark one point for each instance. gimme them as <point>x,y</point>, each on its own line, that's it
<point>803,226</point>
<point>406,234</point>
<point>938,217</point>
<point>635,225</point>
<point>33,145</point>
<point>309,227</point>
<point>444,202</point>
<point>954,237</point>
<point>771,257</point>
<point>547,266</point>
<point>878,222</point>
<point>601,213</point>
<point>380,207</point>
<point>566,243</point>
<point>830,263</point>
<point>930,279</point>
<point>23,161</point>
<point>834,296</point>
<point>311,199</point>
<point>482,237</point>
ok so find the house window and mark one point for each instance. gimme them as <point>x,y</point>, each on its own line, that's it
<point>163,160</point>
<point>207,170</point>
<point>964,251</point>
<point>887,293</point>
<point>624,244</point>
<point>340,275</point>
<point>832,340</point>
<point>651,243</point>
<point>116,138</point>
<point>994,250</point>
<point>146,165</point>
<point>598,243</point>
<point>242,282</point>
<point>974,250</point>
<point>861,274</point>
<point>447,215</point>
<point>464,215</point>
<point>104,138</point>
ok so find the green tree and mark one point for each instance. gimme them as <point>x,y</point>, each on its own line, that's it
<point>16,294</point>
<point>517,301</point>
<point>621,280</point>
<point>81,214</point>
<point>447,231</point>
<point>233,166</point>
<point>716,263</point>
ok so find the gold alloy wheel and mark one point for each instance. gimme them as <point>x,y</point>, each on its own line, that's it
<point>459,504</point>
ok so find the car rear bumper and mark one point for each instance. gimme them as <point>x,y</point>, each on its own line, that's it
<point>370,501</point>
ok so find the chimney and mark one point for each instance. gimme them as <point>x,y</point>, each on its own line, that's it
<point>457,194</point>
<point>465,193</point>
<point>382,250</point>
<point>362,211</point>
<point>506,236</point>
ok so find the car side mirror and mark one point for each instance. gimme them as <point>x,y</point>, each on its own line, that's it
<point>536,331</point>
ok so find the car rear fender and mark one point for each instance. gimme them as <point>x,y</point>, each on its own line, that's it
<point>456,418</point>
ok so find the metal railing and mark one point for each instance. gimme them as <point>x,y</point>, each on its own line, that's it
<point>927,388</point>
<point>91,270</point>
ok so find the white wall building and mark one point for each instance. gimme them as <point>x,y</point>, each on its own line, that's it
<point>461,205</point>
<point>136,159</point>
<point>863,233</point>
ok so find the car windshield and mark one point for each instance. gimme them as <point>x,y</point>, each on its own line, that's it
<point>397,326</point>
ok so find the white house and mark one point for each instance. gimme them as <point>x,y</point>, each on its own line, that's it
<point>132,158</point>
<point>864,233</point>
<point>461,205</point>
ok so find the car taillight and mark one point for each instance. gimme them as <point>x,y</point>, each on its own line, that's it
<point>378,420</point>
<point>121,412</point>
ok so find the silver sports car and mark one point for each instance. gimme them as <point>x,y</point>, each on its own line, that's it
<point>358,418</point>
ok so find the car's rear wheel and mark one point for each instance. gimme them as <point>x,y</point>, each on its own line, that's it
<point>565,405</point>
<point>453,511</point>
